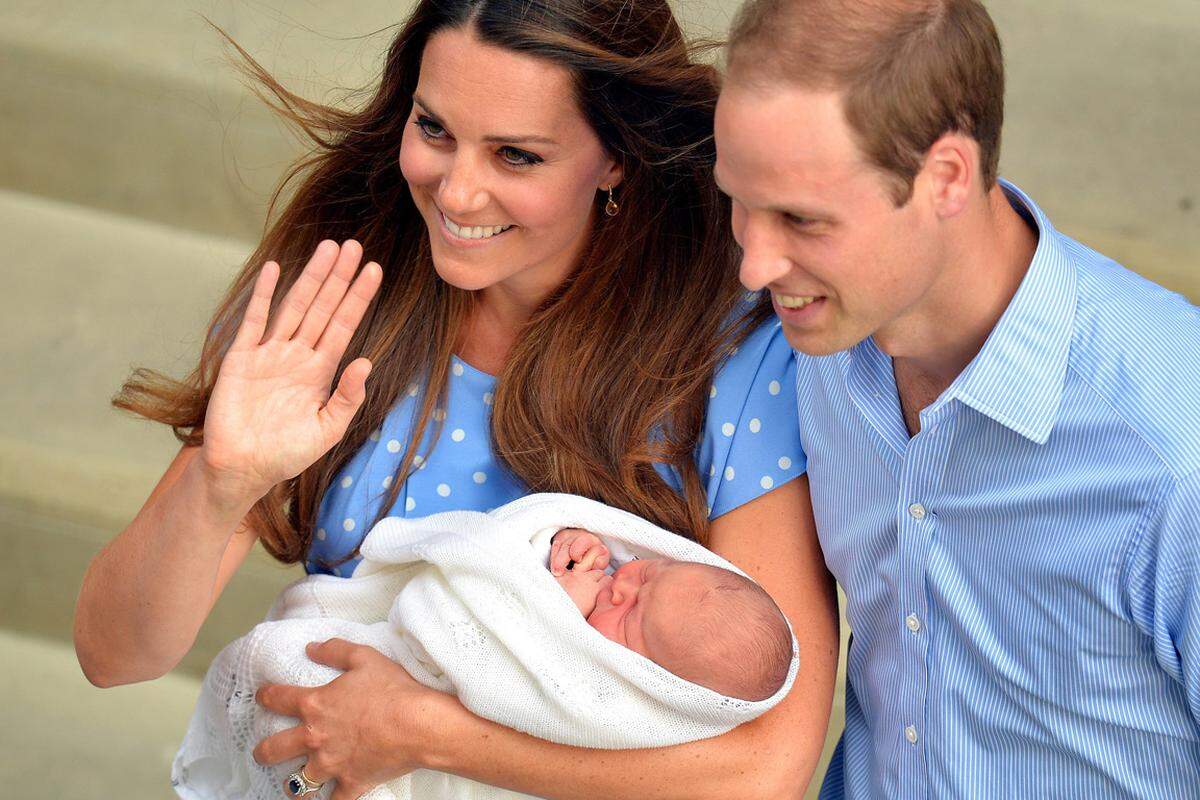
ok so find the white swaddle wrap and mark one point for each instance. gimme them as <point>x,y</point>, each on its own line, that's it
<point>465,603</point>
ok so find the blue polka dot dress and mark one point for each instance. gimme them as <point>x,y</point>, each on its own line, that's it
<point>750,445</point>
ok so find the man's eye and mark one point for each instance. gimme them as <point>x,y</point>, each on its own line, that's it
<point>518,158</point>
<point>429,129</point>
<point>798,222</point>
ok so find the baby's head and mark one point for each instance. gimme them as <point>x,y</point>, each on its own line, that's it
<point>707,625</point>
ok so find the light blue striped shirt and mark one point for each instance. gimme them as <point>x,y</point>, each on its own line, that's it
<point>1023,575</point>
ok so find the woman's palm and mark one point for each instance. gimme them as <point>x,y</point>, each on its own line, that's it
<point>271,414</point>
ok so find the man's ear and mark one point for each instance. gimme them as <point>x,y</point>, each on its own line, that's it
<point>951,173</point>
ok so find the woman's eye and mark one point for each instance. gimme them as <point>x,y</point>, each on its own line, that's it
<point>518,158</point>
<point>429,129</point>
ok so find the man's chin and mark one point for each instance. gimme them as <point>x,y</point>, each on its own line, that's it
<point>816,343</point>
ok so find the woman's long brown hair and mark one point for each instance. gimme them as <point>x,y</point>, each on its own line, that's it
<point>611,373</point>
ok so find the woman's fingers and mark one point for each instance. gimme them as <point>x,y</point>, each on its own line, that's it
<point>283,746</point>
<point>295,304</point>
<point>350,312</point>
<point>254,321</point>
<point>344,403</point>
<point>332,291</point>
<point>348,791</point>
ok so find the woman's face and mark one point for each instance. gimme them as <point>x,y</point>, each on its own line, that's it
<point>502,165</point>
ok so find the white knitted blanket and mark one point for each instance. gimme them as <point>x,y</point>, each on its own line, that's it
<point>464,601</point>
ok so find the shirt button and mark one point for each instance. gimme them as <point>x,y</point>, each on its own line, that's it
<point>910,733</point>
<point>912,623</point>
<point>916,511</point>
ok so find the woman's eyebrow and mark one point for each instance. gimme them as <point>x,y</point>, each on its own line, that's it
<point>493,138</point>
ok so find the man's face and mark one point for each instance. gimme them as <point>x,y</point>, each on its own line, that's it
<point>816,222</point>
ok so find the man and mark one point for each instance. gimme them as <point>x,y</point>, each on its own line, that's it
<point>1002,425</point>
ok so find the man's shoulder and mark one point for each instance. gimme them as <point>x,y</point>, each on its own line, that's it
<point>1137,345</point>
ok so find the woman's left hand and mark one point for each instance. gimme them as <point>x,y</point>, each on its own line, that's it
<point>364,728</point>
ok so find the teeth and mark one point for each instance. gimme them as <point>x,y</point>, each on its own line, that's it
<point>473,232</point>
<point>793,301</point>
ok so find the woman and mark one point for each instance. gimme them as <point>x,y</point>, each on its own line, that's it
<point>558,311</point>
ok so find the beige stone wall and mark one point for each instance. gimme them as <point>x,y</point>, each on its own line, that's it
<point>1103,108</point>
<point>134,173</point>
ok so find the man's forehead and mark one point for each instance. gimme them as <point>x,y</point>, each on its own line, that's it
<point>780,140</point>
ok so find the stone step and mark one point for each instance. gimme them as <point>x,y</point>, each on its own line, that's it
<point>88,296</point>
<point>131,108</point>
<point>64,739</point>
<point>134,108</point>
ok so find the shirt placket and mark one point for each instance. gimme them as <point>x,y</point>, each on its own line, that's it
<point>917,524</point>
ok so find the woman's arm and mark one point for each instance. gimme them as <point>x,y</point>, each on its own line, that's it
<point>269,417</point>
<point>347,734</point>
<point>146,594</point>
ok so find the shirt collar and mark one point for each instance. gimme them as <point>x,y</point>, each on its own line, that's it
<point>1017,377</point>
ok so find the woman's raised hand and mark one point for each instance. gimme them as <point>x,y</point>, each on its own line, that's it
<point>271,414</point>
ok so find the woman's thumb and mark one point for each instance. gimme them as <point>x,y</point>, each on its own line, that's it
<point>349,395</point>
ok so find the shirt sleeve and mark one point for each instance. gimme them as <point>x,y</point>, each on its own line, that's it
<point>751,439</point>
<point>1164,585</point>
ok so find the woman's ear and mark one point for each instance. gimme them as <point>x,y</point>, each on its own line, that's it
<point>612,176</point>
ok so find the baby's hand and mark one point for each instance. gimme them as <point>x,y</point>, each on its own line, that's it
<point>584,587</point>
<point>580,549</point>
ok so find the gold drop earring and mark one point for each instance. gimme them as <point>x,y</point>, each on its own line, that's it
<point>611,208</point>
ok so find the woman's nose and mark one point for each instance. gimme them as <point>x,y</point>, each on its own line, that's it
<point>463,191</point>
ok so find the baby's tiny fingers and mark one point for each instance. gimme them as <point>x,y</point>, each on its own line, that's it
<point>581,546</point>
<point>602,557</point>
<point>588,562</point>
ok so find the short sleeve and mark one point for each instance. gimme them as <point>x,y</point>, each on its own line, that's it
<point>751,441</point>
<point>1164,586</point>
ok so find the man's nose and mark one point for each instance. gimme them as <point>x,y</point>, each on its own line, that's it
<point>764,260</point>
<point>463,190</point>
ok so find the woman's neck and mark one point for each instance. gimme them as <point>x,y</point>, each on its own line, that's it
<point>497,318</point>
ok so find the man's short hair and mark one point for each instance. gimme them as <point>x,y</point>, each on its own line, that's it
<point>909,71</point>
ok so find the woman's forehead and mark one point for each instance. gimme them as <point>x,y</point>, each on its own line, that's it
<point>494,91</point>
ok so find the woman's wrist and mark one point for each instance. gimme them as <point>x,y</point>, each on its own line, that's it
<point>444,727</point>
<point>224,499</point>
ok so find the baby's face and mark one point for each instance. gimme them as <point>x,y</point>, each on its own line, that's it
<point>636,609</point>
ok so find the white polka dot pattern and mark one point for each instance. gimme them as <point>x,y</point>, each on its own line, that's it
<point>754,390</point>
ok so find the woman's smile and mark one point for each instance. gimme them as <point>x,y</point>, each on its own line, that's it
<point>471,233</point>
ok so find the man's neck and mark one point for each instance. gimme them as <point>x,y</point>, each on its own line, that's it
<point>986,262</point>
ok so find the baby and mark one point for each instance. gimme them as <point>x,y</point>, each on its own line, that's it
<point>462,601</point>
<point>707,625</point>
